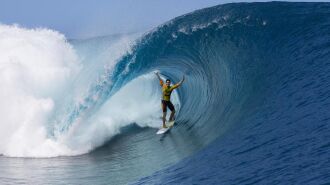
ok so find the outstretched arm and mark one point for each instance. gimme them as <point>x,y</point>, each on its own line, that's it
<point>178,84</point>
<point>160,80</point>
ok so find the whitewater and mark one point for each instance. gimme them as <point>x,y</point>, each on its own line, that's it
<point>45,81</point>
<point>253,109</point>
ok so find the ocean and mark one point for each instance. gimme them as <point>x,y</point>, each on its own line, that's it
<point>254,108</point>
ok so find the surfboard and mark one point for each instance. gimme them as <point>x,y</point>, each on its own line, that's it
<point>164,130</point>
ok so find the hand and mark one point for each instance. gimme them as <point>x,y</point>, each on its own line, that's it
<point>157,74</point>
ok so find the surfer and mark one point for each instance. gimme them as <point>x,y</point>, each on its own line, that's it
<point>166,97</point>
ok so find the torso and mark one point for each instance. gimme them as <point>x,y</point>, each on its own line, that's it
<point>166,92</point>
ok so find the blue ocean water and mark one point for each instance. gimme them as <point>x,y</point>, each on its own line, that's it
<point>277,60</point>
<point>254,108</point>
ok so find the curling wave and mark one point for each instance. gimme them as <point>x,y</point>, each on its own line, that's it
<point>254,80</point>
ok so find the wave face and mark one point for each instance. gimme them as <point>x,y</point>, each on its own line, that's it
<point>257,85</point>
<point>262,69</point>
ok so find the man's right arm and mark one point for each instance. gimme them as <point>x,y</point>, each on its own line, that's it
<point>160,80</point>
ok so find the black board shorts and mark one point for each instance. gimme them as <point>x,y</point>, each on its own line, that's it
<point>168,104</point>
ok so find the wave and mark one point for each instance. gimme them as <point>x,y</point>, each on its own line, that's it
<point>77,94</point>
<point>254,104</point>
<point>47,81</point>
<point>261,75</point>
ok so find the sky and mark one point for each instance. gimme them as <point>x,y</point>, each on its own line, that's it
<point>90,18</point>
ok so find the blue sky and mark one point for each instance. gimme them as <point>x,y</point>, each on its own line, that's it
<point>88,18</point>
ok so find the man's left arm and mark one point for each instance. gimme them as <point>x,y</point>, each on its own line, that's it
<point>178,84</point>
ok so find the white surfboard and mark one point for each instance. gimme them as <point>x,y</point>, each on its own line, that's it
<point>164,130</point>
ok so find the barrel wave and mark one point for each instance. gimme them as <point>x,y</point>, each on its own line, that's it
<point>253,109</point>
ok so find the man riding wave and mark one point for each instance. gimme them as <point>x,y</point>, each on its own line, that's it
<point>166,97</point>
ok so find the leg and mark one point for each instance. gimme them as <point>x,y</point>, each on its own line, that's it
<point>172,115</point>
<point>171,107</point>
<point>164,113</point>
<point>164,119</point>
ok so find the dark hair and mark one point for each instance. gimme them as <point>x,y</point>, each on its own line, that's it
<point>168,80</point>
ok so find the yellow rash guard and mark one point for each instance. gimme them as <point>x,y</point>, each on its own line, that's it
<point>167,90</point>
